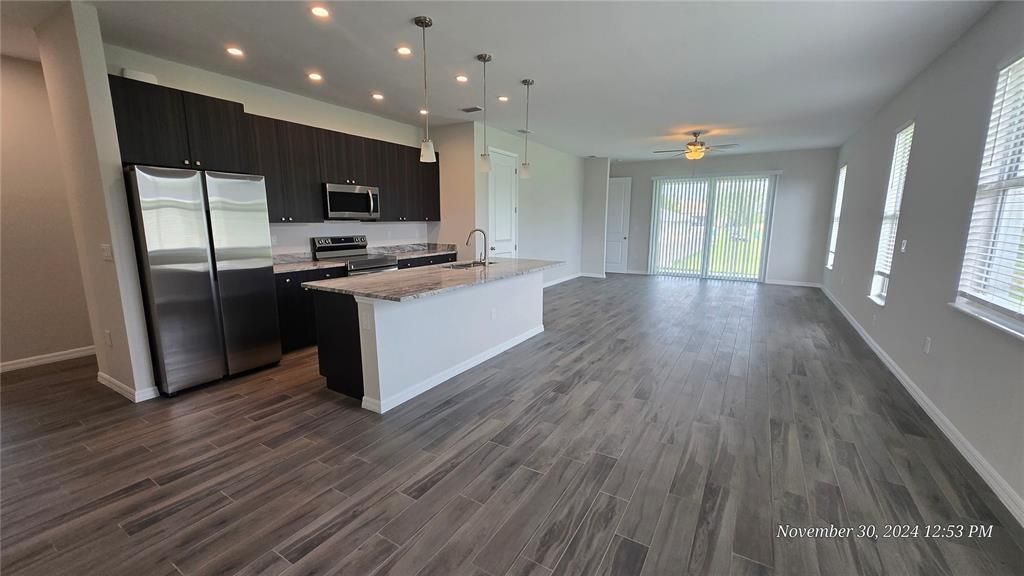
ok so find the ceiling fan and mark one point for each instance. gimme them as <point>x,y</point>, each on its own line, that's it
<point>696,149</point>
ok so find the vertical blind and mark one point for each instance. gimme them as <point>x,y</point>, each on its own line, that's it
<point>993,267</point>
<point>891,211</point>
<point>833,235</point>
<point>711,227</point>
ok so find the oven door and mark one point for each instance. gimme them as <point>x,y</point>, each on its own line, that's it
<point>350,202</point>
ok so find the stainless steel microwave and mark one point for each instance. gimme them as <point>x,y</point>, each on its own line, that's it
<point>351,202</point>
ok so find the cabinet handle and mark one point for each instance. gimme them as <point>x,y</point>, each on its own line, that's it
<point>282,218</point>
<point>327,275</point>
<point>290,218</point>
<point>287,280</point>
<point>187,162</point>
<point>198,163</point>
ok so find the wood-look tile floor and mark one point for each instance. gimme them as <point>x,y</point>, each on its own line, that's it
<point>659,426</point>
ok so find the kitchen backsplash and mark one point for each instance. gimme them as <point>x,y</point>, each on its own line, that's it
<point>290,238</point>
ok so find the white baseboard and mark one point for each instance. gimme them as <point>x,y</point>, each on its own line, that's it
<point>125,390</point>
<point>1006,494</point>
<point>381,406</point>
<point>640,272</point>
<point>793,283</point>
<point>562,279</point>
<point>47,358</point>
<point>590,275</point>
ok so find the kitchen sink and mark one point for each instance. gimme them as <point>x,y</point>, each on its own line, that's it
<point>465,265</point>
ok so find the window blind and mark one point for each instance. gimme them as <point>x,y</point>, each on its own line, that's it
<point>992,275</point>
<point>713,227</point>
<point>891,212</point>
<point>836,212</point>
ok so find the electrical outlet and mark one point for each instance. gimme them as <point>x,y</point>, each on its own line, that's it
<point>494,313</point>
<point>927,344</point>
<point>109,338</point>
<point>107,251</point>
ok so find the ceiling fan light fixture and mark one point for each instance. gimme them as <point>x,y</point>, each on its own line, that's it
<point>694,154</point>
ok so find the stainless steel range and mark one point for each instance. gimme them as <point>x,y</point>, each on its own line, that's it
<point>353,251</point>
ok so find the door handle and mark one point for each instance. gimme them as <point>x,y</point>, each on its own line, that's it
<point>492,248</point>
<point>624,238</point>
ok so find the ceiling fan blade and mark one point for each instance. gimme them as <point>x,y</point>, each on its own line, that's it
<point>721,146</point>
<point>667,151</point>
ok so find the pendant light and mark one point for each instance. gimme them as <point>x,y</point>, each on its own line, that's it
<point>485,158</point>
<point>427,145</point>
<point>524,168</point>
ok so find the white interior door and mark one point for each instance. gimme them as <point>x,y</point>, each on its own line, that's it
<point>617,227</point>
<point>503,202</point>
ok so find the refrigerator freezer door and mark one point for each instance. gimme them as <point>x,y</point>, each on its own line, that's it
<point>240,229</point>
<point>169,216</point>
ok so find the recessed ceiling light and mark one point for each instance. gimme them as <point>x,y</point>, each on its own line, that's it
<point>424,111</point>
<point>462,78</point>
<point>315,76</point>
<point>377,96</point>
<point>235,51</point>
<point>403,50</point>
<point>502,98</point>
<point>320,12</point>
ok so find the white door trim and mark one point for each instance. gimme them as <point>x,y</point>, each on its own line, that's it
<point>515,200</point>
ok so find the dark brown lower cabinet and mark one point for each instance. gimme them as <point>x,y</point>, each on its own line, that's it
<point>295,304</point>
<point>296,316</point>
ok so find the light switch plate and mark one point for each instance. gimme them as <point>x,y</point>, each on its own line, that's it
<point>107,251</point>
<point>903,246</point>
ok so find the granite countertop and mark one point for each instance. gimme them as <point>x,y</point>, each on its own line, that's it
<point>411,283</point>
<point>300,261</point>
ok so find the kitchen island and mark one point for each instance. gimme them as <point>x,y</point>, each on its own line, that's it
<point>386,338</point>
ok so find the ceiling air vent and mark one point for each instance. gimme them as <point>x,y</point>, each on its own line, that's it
<point>472,109</point>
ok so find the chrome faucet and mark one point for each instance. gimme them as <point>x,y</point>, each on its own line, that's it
<point>483,251</point>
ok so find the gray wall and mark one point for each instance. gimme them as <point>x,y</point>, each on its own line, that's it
<point>43,306</point>
<point>803,195</point>
<point>595,215</point>
<point>974,374</point>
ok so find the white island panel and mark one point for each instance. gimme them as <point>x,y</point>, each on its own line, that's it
<point>411,346</point>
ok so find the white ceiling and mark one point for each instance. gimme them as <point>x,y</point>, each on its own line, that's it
<point>612,79</point>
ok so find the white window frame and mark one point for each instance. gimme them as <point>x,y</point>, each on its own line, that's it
<point>989,248</point>
<point>837,211</point>
<point>888,232</point>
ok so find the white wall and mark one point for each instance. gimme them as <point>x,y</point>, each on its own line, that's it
<point>71,53</point>
<point>274,103</point>
<point>550,203</point>
<point>456,145</point>
<point>595,216</point>
<point>803,196</point>
<point>974,374</point>
<point>43,307</point>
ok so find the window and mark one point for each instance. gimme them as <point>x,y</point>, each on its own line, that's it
<point>833,235</point>
<point>891,214</point>
<point>992,276</point>
<point>711,227</point>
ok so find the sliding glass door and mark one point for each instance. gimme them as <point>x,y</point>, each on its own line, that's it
<point>711,227</point>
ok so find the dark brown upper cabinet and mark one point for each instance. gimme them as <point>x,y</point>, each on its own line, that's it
<point>162,126</point>
<point>219,135</point>
<point>150,123</point>
<point>287,156</point>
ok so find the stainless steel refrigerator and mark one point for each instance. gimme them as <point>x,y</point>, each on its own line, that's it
<point>203,245</point>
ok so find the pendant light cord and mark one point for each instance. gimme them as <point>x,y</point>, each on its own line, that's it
<point>426,102</point>
<point>485,108</point>
<point>526,136</point>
